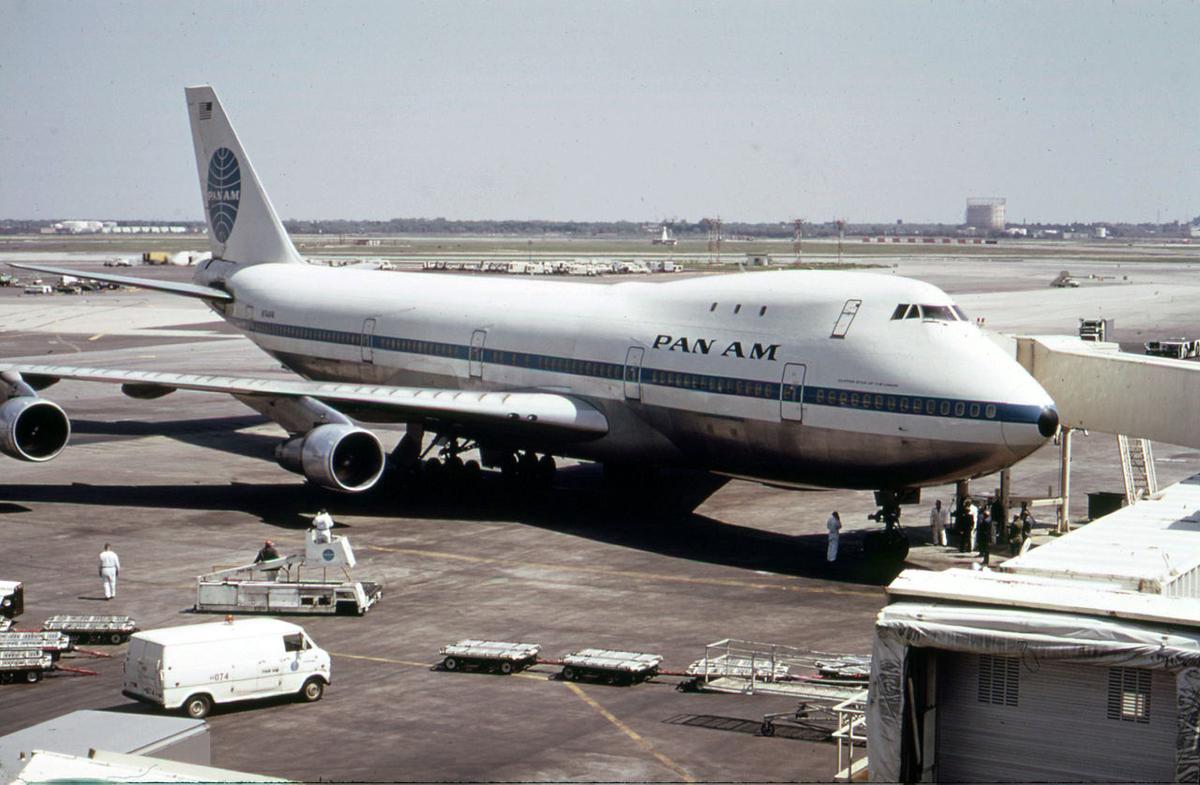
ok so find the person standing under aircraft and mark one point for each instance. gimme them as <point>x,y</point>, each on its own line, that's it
<point>834,525</point>
<point>938,518</point>
<point>110,568</point>
<point>985,537</point>
<point>322,526</point>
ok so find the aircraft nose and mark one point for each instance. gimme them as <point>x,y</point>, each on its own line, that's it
<point>1047,422</point>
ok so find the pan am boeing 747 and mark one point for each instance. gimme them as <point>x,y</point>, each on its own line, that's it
<point>805,378</point>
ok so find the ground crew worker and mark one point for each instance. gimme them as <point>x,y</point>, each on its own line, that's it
<point>834,525</point>
<point>938,518</point>
<point>322,524</point>
<point>266,553</point>
<point>985,536</point>
<point>972,525</point>
<point>110,568</point>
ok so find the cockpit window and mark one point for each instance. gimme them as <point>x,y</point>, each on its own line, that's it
<point>940,313</point>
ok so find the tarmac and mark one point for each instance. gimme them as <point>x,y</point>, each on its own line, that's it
<point>185,484</point>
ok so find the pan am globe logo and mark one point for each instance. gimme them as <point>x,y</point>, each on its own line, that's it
<point>224,192</point>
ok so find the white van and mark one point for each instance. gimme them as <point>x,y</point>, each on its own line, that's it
<point>196,666</point>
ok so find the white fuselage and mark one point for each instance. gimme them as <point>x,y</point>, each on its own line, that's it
<point>797,377</point>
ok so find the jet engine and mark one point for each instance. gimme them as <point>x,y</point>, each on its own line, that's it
<point>33,429</point>
<point>335,456</point>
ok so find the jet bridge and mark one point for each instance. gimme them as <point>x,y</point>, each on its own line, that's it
<point>1098,387</point>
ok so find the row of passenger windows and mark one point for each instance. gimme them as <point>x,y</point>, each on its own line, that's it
<point>903,404</point>
<point>714,384</point>
<point>600,370</point>
<point>941,313</point>
<point>687,381</point>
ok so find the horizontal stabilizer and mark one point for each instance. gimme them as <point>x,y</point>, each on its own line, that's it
<point>185,289</point>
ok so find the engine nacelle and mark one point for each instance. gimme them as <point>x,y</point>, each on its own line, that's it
<point>338,457</point>
<point>33,429</point>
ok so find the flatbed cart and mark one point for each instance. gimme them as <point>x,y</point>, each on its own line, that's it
<point>610,667</point>
<point>53,643</point>
<point>299,583</point>
<point>27,665</point>
<point>500,656</point>
<point>93,629</point>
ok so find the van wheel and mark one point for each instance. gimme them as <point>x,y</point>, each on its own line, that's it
<point>312,690</point>
<point>197,706</point>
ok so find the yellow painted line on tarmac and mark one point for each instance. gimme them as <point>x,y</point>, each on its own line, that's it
<point>96,337</point>
<point>630,732</point>
<point>388,660</point>
<point>654,576</point>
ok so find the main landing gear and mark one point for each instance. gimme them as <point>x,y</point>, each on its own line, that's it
<point>890,544</point>
<point>442,461</point>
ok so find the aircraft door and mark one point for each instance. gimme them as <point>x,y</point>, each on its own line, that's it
<point>368,333</point>
<point>475,355</point>
<point>633,373</point>
<point>849,311</point>
<point>791,392</point>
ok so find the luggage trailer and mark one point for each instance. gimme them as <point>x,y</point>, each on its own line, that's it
<point>52,643</point>
<point>610,667</point>
<point>93,629</point>
<point>24,665</point>
<point>500,656</point>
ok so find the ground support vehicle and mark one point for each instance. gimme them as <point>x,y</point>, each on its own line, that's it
<point>93,629</point>
<point>24,665</point>
<point>197,666</point>
<point>610,667</point>
<point>300,583</point>
<point>498,656</point>
<point>53,643</point>
<point>12,601</point>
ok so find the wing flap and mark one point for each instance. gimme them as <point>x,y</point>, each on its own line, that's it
<point>173,287</point>
<point>531,412</point>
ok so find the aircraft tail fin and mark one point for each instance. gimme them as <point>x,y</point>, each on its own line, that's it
<point>242,225</point>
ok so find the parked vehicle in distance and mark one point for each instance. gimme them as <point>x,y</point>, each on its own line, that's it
<point>39,288</point>
<point>1176,348</point>
<point>197,666</point>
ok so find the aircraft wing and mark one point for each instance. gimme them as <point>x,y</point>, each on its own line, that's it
<point>186,289</point>
<point>531,415</point>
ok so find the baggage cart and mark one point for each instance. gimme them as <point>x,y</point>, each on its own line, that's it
<point>93,629</point>
<point>28,666</point>
<point>500,656</point>
<point>53,643</point>
<point>610,667</point>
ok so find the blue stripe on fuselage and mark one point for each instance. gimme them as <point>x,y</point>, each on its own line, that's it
<point>890,403</point>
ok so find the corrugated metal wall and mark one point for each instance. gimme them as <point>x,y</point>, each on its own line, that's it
<point>1052,724</point>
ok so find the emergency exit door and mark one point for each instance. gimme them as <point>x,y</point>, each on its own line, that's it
<point>368,334</point>
<point>791,392</point>
<point>475,355</point>
<point>633,373</point>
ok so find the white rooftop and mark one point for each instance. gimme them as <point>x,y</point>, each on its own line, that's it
<point>217,631</point>
<point>1143,547</point>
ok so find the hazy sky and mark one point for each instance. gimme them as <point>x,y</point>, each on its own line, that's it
<point>610,110</point>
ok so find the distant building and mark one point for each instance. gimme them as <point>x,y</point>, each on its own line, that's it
<point>986,214</point>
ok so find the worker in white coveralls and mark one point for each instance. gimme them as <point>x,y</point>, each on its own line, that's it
<point>834,524</point>
<point>110,568</point>
<point>322,526</point>
<point>939,518</point>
